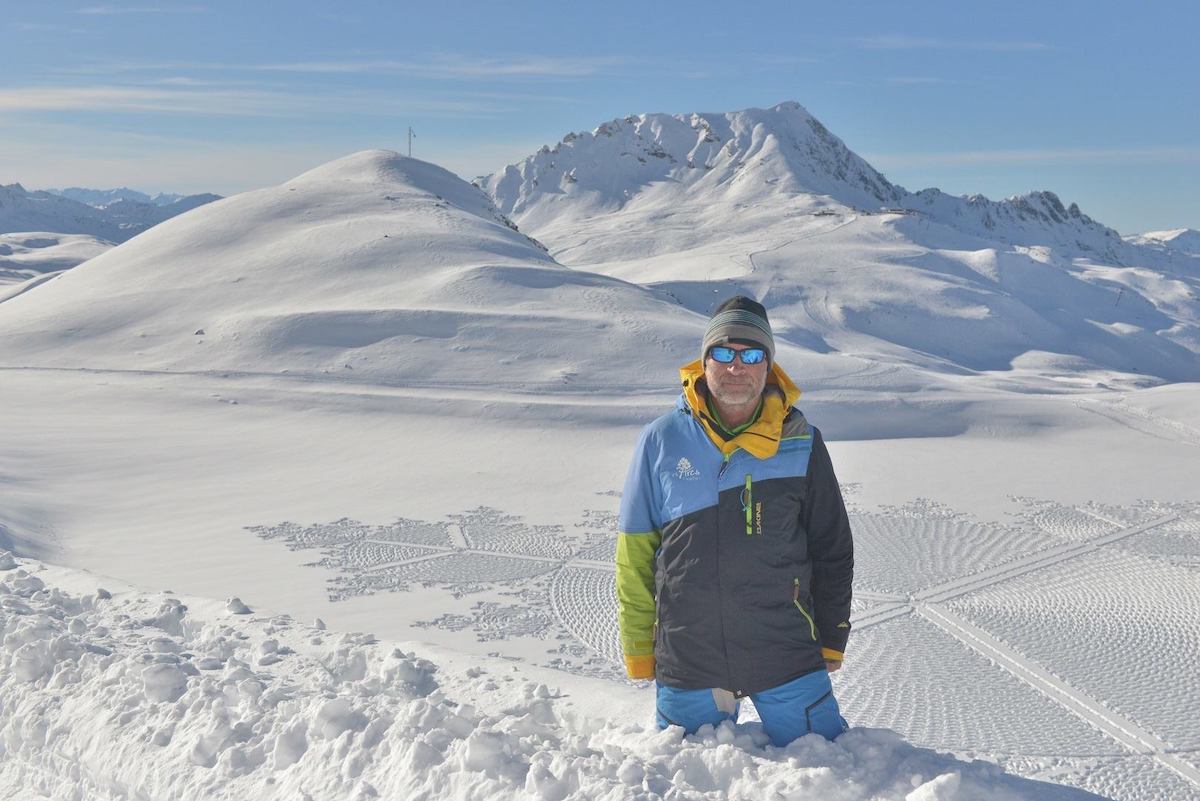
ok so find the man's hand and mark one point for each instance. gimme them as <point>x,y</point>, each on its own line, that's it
<point>832,665</point>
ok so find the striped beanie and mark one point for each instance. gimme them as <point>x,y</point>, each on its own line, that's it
<point>741,320</point>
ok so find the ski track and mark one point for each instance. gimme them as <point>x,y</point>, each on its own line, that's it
<point>926,604</point>
<point>1093,712</point>
<point>1142,421</point>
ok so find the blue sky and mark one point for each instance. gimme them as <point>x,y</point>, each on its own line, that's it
<point>1099,102</point>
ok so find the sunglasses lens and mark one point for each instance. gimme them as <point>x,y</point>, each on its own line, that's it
<point>722,355</point>
<point>753,355</point>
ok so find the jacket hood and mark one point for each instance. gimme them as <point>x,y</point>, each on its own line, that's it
<point>762,438</point>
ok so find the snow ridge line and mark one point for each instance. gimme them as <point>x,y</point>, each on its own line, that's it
<point>1124,731</point>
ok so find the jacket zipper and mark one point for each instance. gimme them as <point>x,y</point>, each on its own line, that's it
<point>812,627</point>
<point>748,505</point>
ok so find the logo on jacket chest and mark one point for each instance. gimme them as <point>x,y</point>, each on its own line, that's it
<point>685,470</point>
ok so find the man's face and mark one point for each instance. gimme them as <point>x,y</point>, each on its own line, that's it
<point>735,384</point>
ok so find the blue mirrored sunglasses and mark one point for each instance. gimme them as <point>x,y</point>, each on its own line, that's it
<point>725,355</point>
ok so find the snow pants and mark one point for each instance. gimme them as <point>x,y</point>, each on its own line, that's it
<point>802,705</point>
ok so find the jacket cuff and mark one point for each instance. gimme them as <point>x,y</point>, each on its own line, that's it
<point>640,667</point>
<point>828,654</point>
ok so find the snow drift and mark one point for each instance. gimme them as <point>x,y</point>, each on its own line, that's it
<point>125,694</point>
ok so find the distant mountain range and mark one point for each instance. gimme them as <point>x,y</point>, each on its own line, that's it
<point>118,219</point>
<point>103,197</point>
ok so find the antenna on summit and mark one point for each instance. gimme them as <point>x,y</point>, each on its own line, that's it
<point>410,138</point>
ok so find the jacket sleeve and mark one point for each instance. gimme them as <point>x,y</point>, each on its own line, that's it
<point>638,538</point>
<point>831,549</point>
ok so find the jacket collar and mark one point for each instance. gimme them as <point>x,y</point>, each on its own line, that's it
<point>762,438</point>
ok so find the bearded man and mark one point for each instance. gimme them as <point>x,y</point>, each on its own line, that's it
<point>735,556</point>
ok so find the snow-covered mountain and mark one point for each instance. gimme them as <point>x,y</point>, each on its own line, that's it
<point>371,266</point>
<point>103,197</point>
<point>769,202</point>
<point>1182,240</point>
<point>744,157</point>
<point>22,210</point>
<point>782,157</point>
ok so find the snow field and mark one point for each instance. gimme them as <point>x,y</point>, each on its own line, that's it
<point>117,695</point>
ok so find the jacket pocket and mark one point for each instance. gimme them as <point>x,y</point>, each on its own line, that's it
<point>812,627</point>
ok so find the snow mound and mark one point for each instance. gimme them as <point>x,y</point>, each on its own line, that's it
<point>266,708</point>
<point>372,268</point>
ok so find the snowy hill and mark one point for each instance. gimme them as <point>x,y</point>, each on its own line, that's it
<point>373,267</point>
<point>1183,240</point>
<point>770,203</point>
<point>22,210</point>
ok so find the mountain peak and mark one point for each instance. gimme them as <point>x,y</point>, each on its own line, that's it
<point>747,155</point>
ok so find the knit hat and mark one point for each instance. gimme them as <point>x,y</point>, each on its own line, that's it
<point>742,320</point>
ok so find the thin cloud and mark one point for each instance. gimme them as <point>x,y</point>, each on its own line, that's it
<point>453,67</point>
<point>903,80</point>
<point>137,99</point>
<point>112,10</point>
<point>901,42</point>
<point>1110,156</point>
<point>169,99</point>
<point>785,61</point>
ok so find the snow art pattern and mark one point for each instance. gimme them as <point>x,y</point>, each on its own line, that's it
<point>994,598</point>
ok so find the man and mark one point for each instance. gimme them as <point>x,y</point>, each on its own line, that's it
<point>734,557</point>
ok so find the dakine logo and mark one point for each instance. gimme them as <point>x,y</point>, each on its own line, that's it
<point>685,470</point>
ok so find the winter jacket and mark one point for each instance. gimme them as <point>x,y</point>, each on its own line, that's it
<point>734,557</point>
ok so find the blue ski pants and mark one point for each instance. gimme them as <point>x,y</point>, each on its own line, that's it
<point>802,705</point>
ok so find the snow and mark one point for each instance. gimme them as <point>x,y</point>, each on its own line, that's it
<point>148,712</point>
<point>35,255</point>
<point>363,399</point>
<point>1186,240</point>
